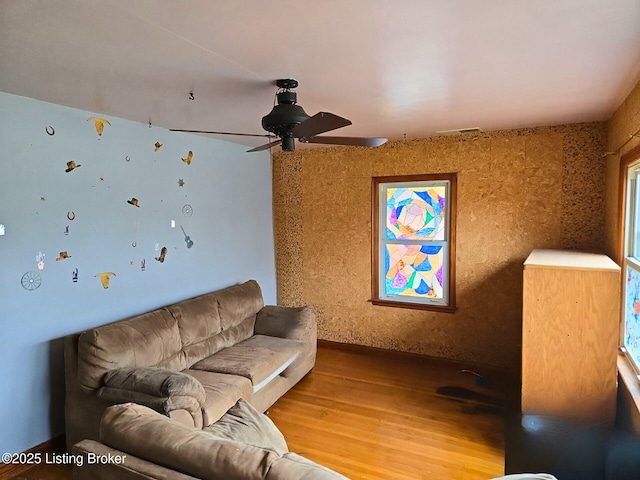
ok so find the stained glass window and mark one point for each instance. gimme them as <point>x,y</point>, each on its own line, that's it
<point>630,335</point>
<point>631,332</point>
<point>413,240</point>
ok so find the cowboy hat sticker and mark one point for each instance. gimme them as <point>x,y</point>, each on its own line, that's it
<point>71,166</point>
<point>63,256</point>
<point>134,202</point>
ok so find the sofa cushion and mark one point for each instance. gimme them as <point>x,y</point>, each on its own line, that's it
<point>226,338</point>
<point>197,318</point>
<point>259,359</point>
<point>245,424</point>
<point>148,340</point>
<point>217,320</point>
<point>238,303</point>
<point>164,405</point>
<point>222,392</point>
<point>148,435</point>
<point>158,382</point>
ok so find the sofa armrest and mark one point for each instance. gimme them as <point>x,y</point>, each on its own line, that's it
<point>93,460</point>
<point>295,323</point>
<point>145,434</point>
<point>159,389</point>
<point>292,466</point>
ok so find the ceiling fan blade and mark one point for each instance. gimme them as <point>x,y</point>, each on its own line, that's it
<point>321,122</point>
<point>355,141</point>
<point>265,146</point>
<point>221,133</point>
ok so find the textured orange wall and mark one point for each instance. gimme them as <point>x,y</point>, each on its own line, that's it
<point>624,123</point>
<point>517,190</point>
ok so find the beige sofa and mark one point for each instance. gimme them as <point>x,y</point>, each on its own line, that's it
<point>139,443</point>
<point>191,361</point>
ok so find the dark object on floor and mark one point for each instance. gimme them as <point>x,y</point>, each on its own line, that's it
<point>463,393</point>
<point>480,381</point>
<point>568,450</point>
<point>622,457</point>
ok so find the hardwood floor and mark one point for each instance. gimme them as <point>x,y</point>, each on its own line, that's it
<point>381,417</point>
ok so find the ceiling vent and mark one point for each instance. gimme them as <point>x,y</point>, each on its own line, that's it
<point>460,131</point>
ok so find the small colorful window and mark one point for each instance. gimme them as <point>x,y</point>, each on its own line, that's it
<point>413,241</point>
<point>630,331</point>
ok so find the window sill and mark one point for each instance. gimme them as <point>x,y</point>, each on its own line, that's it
<point>630,379</point>
<point>415,306</point>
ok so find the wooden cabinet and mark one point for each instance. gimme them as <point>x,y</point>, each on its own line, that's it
<point>571,305</point>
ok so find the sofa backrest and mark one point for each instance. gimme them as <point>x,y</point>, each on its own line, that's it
<point>173,337</point>
<point>151,339</point>
<point>217,320</point>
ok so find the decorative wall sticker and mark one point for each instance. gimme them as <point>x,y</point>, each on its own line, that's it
<point>63,256</point>
<point>163,253</point>
<point>71,216</point>
<point>180,182</point>
<point>127,158</point>
<point>66,230</point>
<point>134,244</point>
<point>99,124</point>
<point>191,97</point>
<point>101,179</point>
<point>50,131</point>
<point>187,238</point>
<point>157,144</point>
<point>104,278</point>
<point>187,210</point>
<point>71,166</point>
<point>31,281</point>
<point>143,264</point>
<point>74,275</point>
<point>134,202</point>
<point>188,158</point>
<point>42,199</point>
<point>40,260</point>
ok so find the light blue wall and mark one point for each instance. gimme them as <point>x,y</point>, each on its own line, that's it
<point>231,227</point>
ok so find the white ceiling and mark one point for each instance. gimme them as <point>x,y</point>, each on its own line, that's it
<point>393,67</point>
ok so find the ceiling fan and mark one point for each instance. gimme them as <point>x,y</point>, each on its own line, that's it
<point>289,121</point>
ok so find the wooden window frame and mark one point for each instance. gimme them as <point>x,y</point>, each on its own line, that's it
<point>450,307</point>
<point>626,366</point>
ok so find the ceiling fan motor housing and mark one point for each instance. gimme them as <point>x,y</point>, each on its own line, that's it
<point>283,117</point>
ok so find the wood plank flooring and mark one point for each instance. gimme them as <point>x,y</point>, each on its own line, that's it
<point>371,417</point>
<point>380,417</point>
